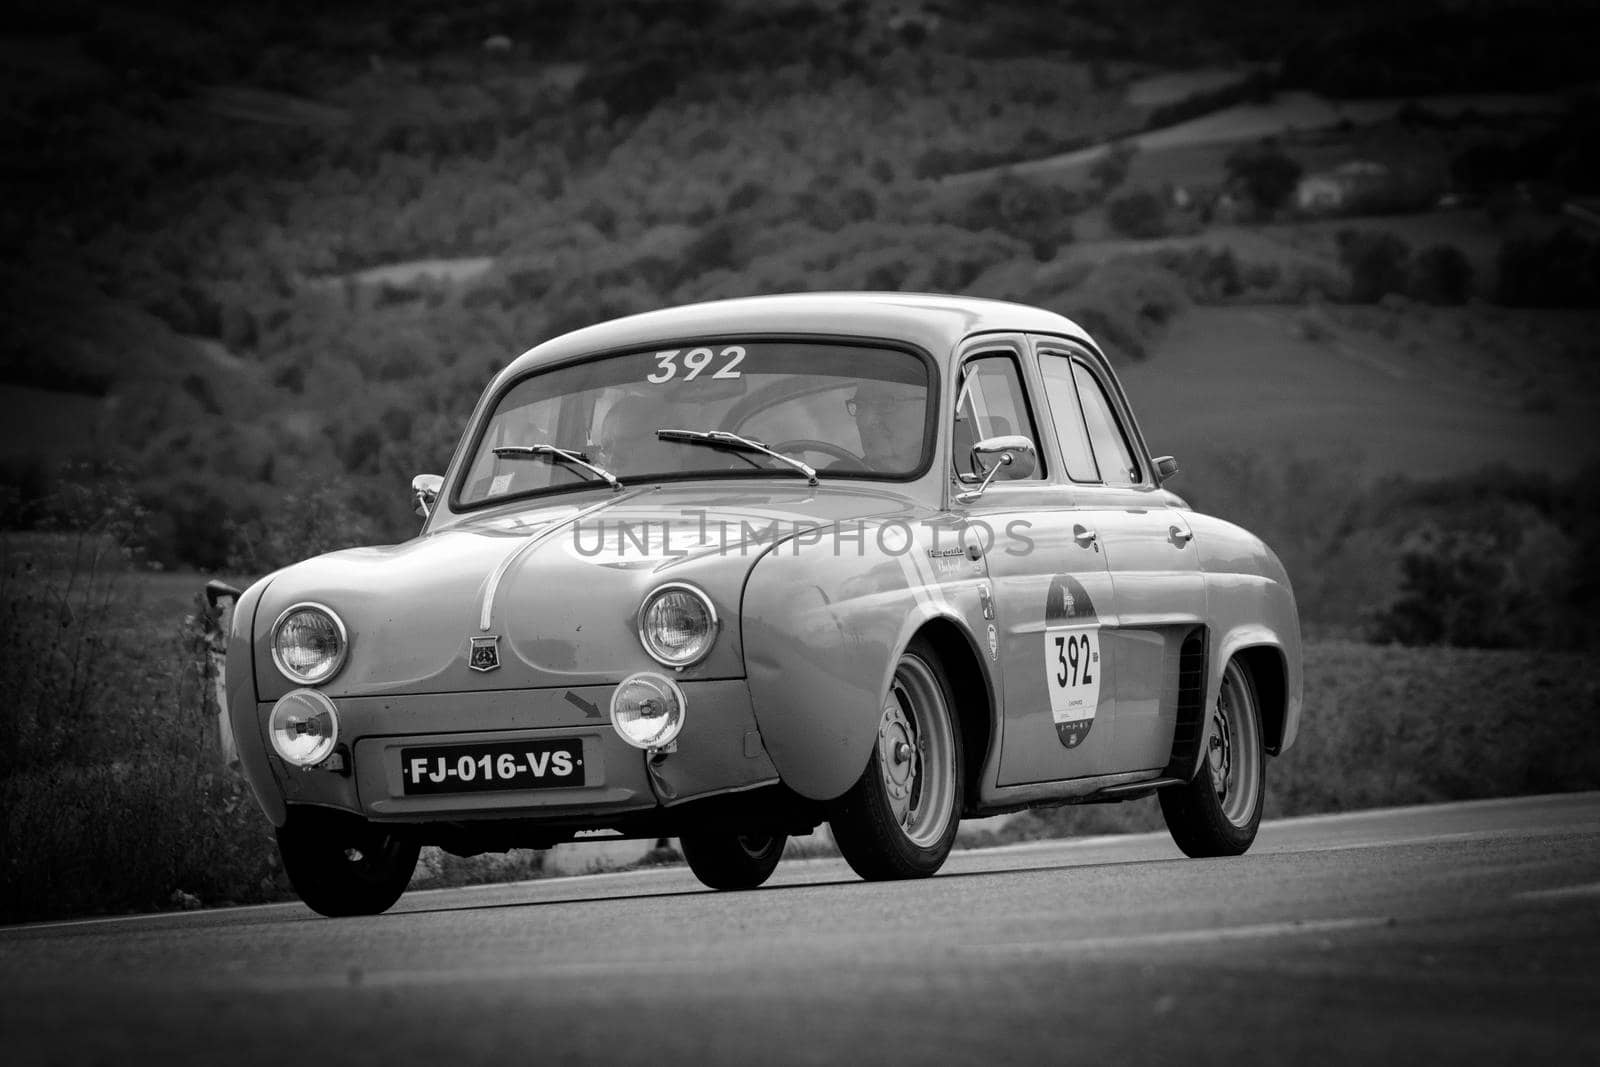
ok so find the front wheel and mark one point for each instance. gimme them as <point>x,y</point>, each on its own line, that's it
<point>732,861</point>
<point>899,819</point>
<point>1217,814</point>
<point>340,864</point>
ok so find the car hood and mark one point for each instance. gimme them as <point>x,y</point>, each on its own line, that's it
<point>558,587</point>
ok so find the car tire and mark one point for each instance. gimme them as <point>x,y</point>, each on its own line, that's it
<point>899,820</point>
<point>1219,811</point>
<point>340,864</point>
<point>732,861</point>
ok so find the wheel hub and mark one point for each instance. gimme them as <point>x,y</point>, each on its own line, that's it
<point>896,743</point>
<point>1221,751</point>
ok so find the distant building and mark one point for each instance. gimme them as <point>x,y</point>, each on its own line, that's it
<point>1340,188</point>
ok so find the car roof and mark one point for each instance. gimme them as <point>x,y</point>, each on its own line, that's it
<point>934,322</point>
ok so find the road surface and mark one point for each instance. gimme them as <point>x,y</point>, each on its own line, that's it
<point>1464,933</point>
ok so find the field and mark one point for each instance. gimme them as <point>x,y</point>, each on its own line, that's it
<point>1380,392</point>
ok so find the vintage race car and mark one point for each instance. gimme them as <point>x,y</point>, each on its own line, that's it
<point>729,571</point>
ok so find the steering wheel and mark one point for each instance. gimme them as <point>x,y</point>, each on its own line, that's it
<point>806,444</point>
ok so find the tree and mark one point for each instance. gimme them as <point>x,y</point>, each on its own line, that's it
<point>1111,169</point>
<point>1140,213</point>
<point>1377,263</point>
<point>1441,274</point>
<point>1265,173</point>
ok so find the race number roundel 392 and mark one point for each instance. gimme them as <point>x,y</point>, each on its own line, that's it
<point>1071,659</point>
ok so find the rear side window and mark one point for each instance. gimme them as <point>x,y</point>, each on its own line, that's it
<point>1062,394</point>
<point>1112,453</point>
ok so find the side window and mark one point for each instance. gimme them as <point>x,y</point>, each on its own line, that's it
<point>1062,396</point>
<point>1113,456</point>
<point>991,404</point>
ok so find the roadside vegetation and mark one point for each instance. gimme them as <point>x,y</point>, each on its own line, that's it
<point>264,261</point>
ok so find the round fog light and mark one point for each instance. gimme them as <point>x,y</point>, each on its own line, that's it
<point>647,710</point>
<point>304,727</point>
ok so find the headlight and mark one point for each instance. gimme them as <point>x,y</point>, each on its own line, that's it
<point>309,644</point>
<point>304,727</point>
<point>647,710</point>
<point>677,625</point>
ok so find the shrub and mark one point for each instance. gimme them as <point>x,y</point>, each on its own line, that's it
<point>1140,214</point>
<point>1441,274</point>
<point>112,796</point>
<point>1111,169</point>
<point>1562,270</point>
<point>1210,275</point>
<point>1125,303</point>
<point>1038,212</point>
<point>1265,173</point>
<point>1377,264</point>
<point>300,525</point>
<point>1452,592</point>
<point>132,835</point>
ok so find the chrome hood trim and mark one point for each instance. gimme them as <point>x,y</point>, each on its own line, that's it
<point>486,616</point>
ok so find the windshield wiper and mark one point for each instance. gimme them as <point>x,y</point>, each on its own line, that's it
<point>736,443</point>
<point>577,459</point>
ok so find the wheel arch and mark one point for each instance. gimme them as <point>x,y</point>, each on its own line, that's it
<point>972,696</point>
<point>1269,675</point>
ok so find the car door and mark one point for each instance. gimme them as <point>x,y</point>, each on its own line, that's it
<point>1155,576</point>
<point>1050,582</point>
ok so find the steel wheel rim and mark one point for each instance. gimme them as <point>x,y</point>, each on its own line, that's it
<point>1234,753</point>
<point>916,754</point>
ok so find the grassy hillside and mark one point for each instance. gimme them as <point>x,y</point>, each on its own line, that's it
<point>1378,391</point>
<point>231,224</point>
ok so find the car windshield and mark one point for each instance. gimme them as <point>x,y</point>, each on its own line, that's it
<point>847,410</point>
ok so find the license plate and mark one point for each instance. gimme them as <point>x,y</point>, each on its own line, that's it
<point>497,765</point>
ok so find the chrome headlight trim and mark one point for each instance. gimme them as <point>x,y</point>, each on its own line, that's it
<point>667,688</point>
<point>713,628</point>
<point>338,626</point>
<point>290,718</point>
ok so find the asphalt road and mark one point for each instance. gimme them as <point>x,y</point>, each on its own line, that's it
<point>1465,933</point>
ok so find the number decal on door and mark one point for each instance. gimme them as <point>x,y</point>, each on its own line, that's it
<point>1072,661</point>
<point>1072,667</point>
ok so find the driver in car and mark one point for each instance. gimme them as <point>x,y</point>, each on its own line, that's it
<point>889,417</point>
<point>627,441</point>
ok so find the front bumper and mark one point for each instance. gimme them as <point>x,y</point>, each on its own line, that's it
<point>719,751</point>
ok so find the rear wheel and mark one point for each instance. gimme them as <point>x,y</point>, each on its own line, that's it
<point>341,864</point>
<point>1217,813</point>
<point>732,861</point>
<point>899,820</point>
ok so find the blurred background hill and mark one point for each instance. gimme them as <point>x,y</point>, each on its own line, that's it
<point>262,259</point>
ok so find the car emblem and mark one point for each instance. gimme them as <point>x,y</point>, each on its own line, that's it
<point>485,655</point>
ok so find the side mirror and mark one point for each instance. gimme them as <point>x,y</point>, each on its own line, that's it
<point>424,491</point>
<point>1166,467</point>
<point>1012,454</point>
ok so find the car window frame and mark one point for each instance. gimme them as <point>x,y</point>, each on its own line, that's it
<point>1015,348</point>
<point>483,415</point>
<point>1077,409</point>
<point>1127,424</point>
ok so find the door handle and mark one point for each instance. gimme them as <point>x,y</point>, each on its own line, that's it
<point>1180,535</point>
<point>1084,536</point>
